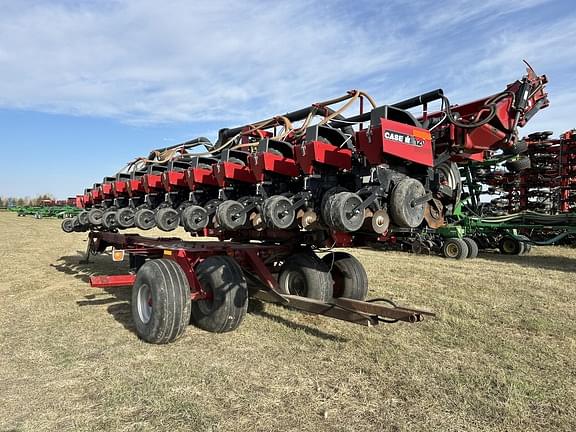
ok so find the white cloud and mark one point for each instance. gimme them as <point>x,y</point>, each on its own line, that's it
<point>143,61</point>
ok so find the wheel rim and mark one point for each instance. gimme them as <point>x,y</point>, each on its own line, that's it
<point>145,219</point>
<point>296,284</point>
<point>231,217</point>
<point>452,250</point>
<point>281,214</point>
<point>95,216</point>
<point>125,218</point>
<point>68,225</point>
<point>196,218</point>
<point>508,246</point>
<point>168,220</point>
<point>352,219</point>
<point>83,218</point>
<point>108,220</point>
<point>145,303</point>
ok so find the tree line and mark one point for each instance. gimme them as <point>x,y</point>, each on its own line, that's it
<point>24,201</point>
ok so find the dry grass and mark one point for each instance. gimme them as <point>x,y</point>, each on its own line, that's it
<point>499,357</point>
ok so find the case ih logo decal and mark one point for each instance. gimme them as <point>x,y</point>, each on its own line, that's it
<point>403,138</point>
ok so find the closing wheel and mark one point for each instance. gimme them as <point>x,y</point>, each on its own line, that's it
<point>125,218</point>
<point>510,246</point>
<point>305,275</point>
<point>194,218</point>
<point>167,219</point>
<point>402,209</point>
<point>95,216</point>
<point>222,279</point>
<point>144,219</point>
<point>472,247</point>
<point>230,215</point>
<point>277,212</point>
<point>349,275</point>
<point>68,225</point>
<point>455,248</point>
<point>83,217</point>
<point>343,213</point>
<point>160,301</point>
<point>109,219</point>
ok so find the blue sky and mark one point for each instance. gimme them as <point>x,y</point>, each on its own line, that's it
<point>86,86</point>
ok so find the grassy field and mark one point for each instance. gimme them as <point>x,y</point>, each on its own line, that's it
<point>500,356</point>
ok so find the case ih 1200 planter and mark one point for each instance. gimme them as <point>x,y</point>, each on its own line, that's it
<point>315,170</point>
<point>308,179</point>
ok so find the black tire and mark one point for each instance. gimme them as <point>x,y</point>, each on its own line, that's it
<point>95,216</point>
<point>125,218</point>
<point>194,218</point>
<point>341,216</point>
<point>68,225</point>
<point>277,213</point>
<point>167,219</point>
<point>455,248</point>
<point>222,277</point>
<point>349,275</point>
<point>160,301</point>
<point>519,164</point>
<point>401,210</point>
<point>327,201</point>
<point>305,274</point>
<point>83,217</point>
<point>519,147</point>
<point>109,219</point>
<point>472,247</point>
<point>230,215</point>
<point>526,243</point>
<point>144,219</point>
<point>510,246</point>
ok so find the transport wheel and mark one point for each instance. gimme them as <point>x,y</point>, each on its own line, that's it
<point>527,245</point>
<point>95,216</point>
<point>160,301</point>
<point>68,225</point>
<point>125,217</point>
<point>277,213</point>
<point>342,214</point>
<point>144,219</point>
<point>305,275</point>
<point>349,275</point>
<point>194,218</point>
<point>83,217</point>
<point>402,211</point>
<point>510,246</point>
<point>167,219</point>
<point>455,248</point>
<point>472,247</point>
<point>230,215</point>
<point>109,219</point>
<point>222,278</point>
